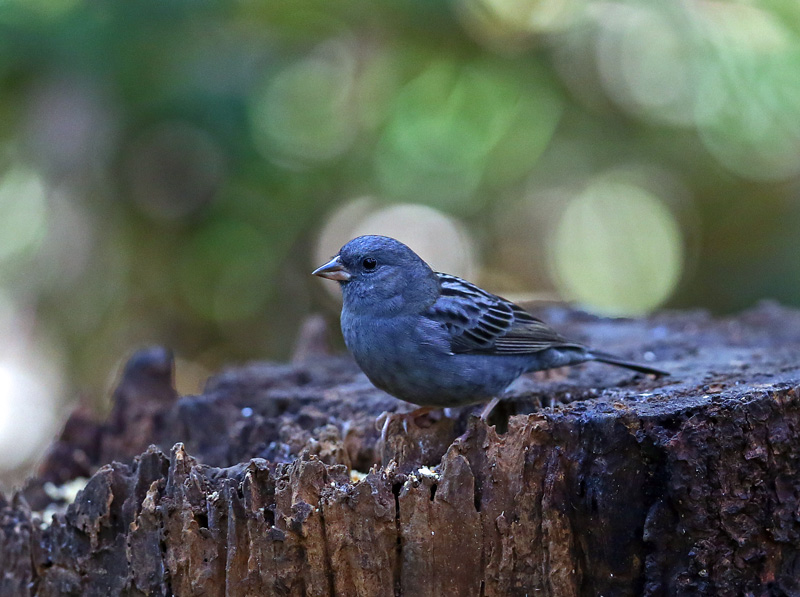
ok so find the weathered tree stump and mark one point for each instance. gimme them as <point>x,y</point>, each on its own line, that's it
<point>599,482</point>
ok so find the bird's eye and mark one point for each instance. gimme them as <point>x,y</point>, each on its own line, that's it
<point>369,263</point>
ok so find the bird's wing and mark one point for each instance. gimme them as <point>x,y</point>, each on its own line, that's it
<point>479,321</point>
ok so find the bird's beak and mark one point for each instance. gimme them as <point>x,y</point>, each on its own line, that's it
<point>333,270</point>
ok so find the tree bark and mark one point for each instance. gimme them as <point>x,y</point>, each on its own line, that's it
<point>595,482</point>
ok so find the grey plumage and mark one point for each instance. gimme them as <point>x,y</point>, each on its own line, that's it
<point>437,340</point>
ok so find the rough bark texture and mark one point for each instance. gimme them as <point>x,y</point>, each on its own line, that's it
<point>599,482</point>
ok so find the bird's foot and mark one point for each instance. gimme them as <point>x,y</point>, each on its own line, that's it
<point>423,418</point>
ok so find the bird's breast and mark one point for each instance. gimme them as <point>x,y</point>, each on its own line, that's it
<point>393,350</point>
<point>377,338</point>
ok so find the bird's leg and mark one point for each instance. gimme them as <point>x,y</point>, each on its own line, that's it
<point>484,416</point>
<point>422,417</point>
<point>487,410</point>
<point>418,412</point>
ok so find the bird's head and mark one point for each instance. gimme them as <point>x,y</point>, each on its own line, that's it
<point>381,275</point>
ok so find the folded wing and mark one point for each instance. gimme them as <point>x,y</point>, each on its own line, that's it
<point>479,321</point>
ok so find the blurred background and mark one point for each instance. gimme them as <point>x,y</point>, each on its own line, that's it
<point>171,171</point>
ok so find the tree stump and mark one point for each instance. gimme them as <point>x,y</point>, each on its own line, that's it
<point>597,481</point>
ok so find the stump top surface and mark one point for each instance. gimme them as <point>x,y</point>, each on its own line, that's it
<point>710,359</point>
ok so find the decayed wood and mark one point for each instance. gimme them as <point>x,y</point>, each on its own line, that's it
<point>599,482</point>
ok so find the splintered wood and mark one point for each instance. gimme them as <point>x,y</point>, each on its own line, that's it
<point>302,479</point>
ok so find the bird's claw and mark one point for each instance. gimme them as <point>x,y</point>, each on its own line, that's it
<point>423,418</point>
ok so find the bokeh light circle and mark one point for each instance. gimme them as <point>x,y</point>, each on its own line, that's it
<point>536,16</point>
<point>617,249</point>
<point>173,169</point>
<point>227,271</point>
<point>511,25</point>
<point>439,239</point>
<point>454,126</point>
<point>748,106</point>
<point>645,62</point>
<point>26,415</point>
<point>23,212</point>
<point>305,112</point>
<point>751,124</point>
<point>31,384</point>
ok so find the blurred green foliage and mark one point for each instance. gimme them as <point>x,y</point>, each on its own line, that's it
<point>166,166</point>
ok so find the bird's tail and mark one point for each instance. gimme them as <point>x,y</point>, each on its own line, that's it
<point>610,359</point>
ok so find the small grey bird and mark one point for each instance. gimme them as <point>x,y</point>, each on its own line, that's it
<point>436,340</point>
